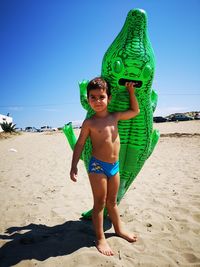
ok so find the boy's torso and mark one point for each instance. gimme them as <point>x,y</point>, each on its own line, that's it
<point>105,138</point>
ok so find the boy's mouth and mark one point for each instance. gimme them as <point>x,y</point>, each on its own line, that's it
<point>122,81</point>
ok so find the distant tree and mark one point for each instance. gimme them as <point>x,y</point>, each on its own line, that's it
<point>8,127</point>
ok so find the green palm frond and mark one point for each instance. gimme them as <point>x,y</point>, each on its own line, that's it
<point>8,127</point>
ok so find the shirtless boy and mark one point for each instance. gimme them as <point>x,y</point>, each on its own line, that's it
<point>104,165</point>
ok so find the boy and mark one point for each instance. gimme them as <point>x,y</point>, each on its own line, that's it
<point>104,165</point>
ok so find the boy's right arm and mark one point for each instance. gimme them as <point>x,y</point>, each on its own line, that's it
<point>78,149</point>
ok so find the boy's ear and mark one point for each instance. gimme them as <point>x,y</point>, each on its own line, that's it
<point>109,98</point>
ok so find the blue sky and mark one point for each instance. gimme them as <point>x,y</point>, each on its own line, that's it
<point>48,46</point>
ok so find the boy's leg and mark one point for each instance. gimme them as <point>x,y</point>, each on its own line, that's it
<point>111,201</point>
<point>111,204</point>
<point>99,189</point>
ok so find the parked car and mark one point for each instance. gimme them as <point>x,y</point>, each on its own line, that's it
<point>197,116</point>
<point>159,119</point>
<point>47,128</point>
<point>180,117</point>
<point>31,129</point>
<point>18,129</point>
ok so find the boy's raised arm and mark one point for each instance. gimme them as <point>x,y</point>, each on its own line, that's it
<point>134,107</point>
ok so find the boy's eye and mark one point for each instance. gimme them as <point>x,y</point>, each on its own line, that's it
<point>93,98</point>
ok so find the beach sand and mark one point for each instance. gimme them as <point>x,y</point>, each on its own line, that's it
<point>40,207</point>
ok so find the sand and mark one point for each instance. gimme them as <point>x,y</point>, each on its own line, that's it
<point>40,207</point>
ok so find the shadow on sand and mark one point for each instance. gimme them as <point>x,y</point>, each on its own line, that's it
<point>41,242</point>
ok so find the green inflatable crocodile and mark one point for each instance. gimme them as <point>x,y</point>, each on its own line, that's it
<point>129,58</point>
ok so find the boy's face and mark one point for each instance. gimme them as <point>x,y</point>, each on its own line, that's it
<point>98,99</point>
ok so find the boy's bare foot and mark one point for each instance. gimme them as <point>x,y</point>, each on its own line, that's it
<point>128,236</point>
<point>104,248</point>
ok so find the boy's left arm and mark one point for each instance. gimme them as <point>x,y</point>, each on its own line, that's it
<point>134,110</point>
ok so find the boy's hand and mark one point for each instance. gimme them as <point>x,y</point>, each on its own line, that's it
<point>130,86</point>
<point>73,174</point>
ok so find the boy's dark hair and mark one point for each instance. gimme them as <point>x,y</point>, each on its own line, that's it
<point>98,83</point>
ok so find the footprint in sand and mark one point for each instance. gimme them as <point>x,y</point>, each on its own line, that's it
<point>196,217</point>
<point>191,258</point>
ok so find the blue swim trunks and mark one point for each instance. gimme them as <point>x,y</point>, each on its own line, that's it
<point>98,166</point>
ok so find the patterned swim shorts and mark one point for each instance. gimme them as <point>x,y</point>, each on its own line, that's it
<point>98,166</point>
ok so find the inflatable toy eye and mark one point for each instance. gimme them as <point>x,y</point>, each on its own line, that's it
<point>147,71</point>
<point>118,66</point>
